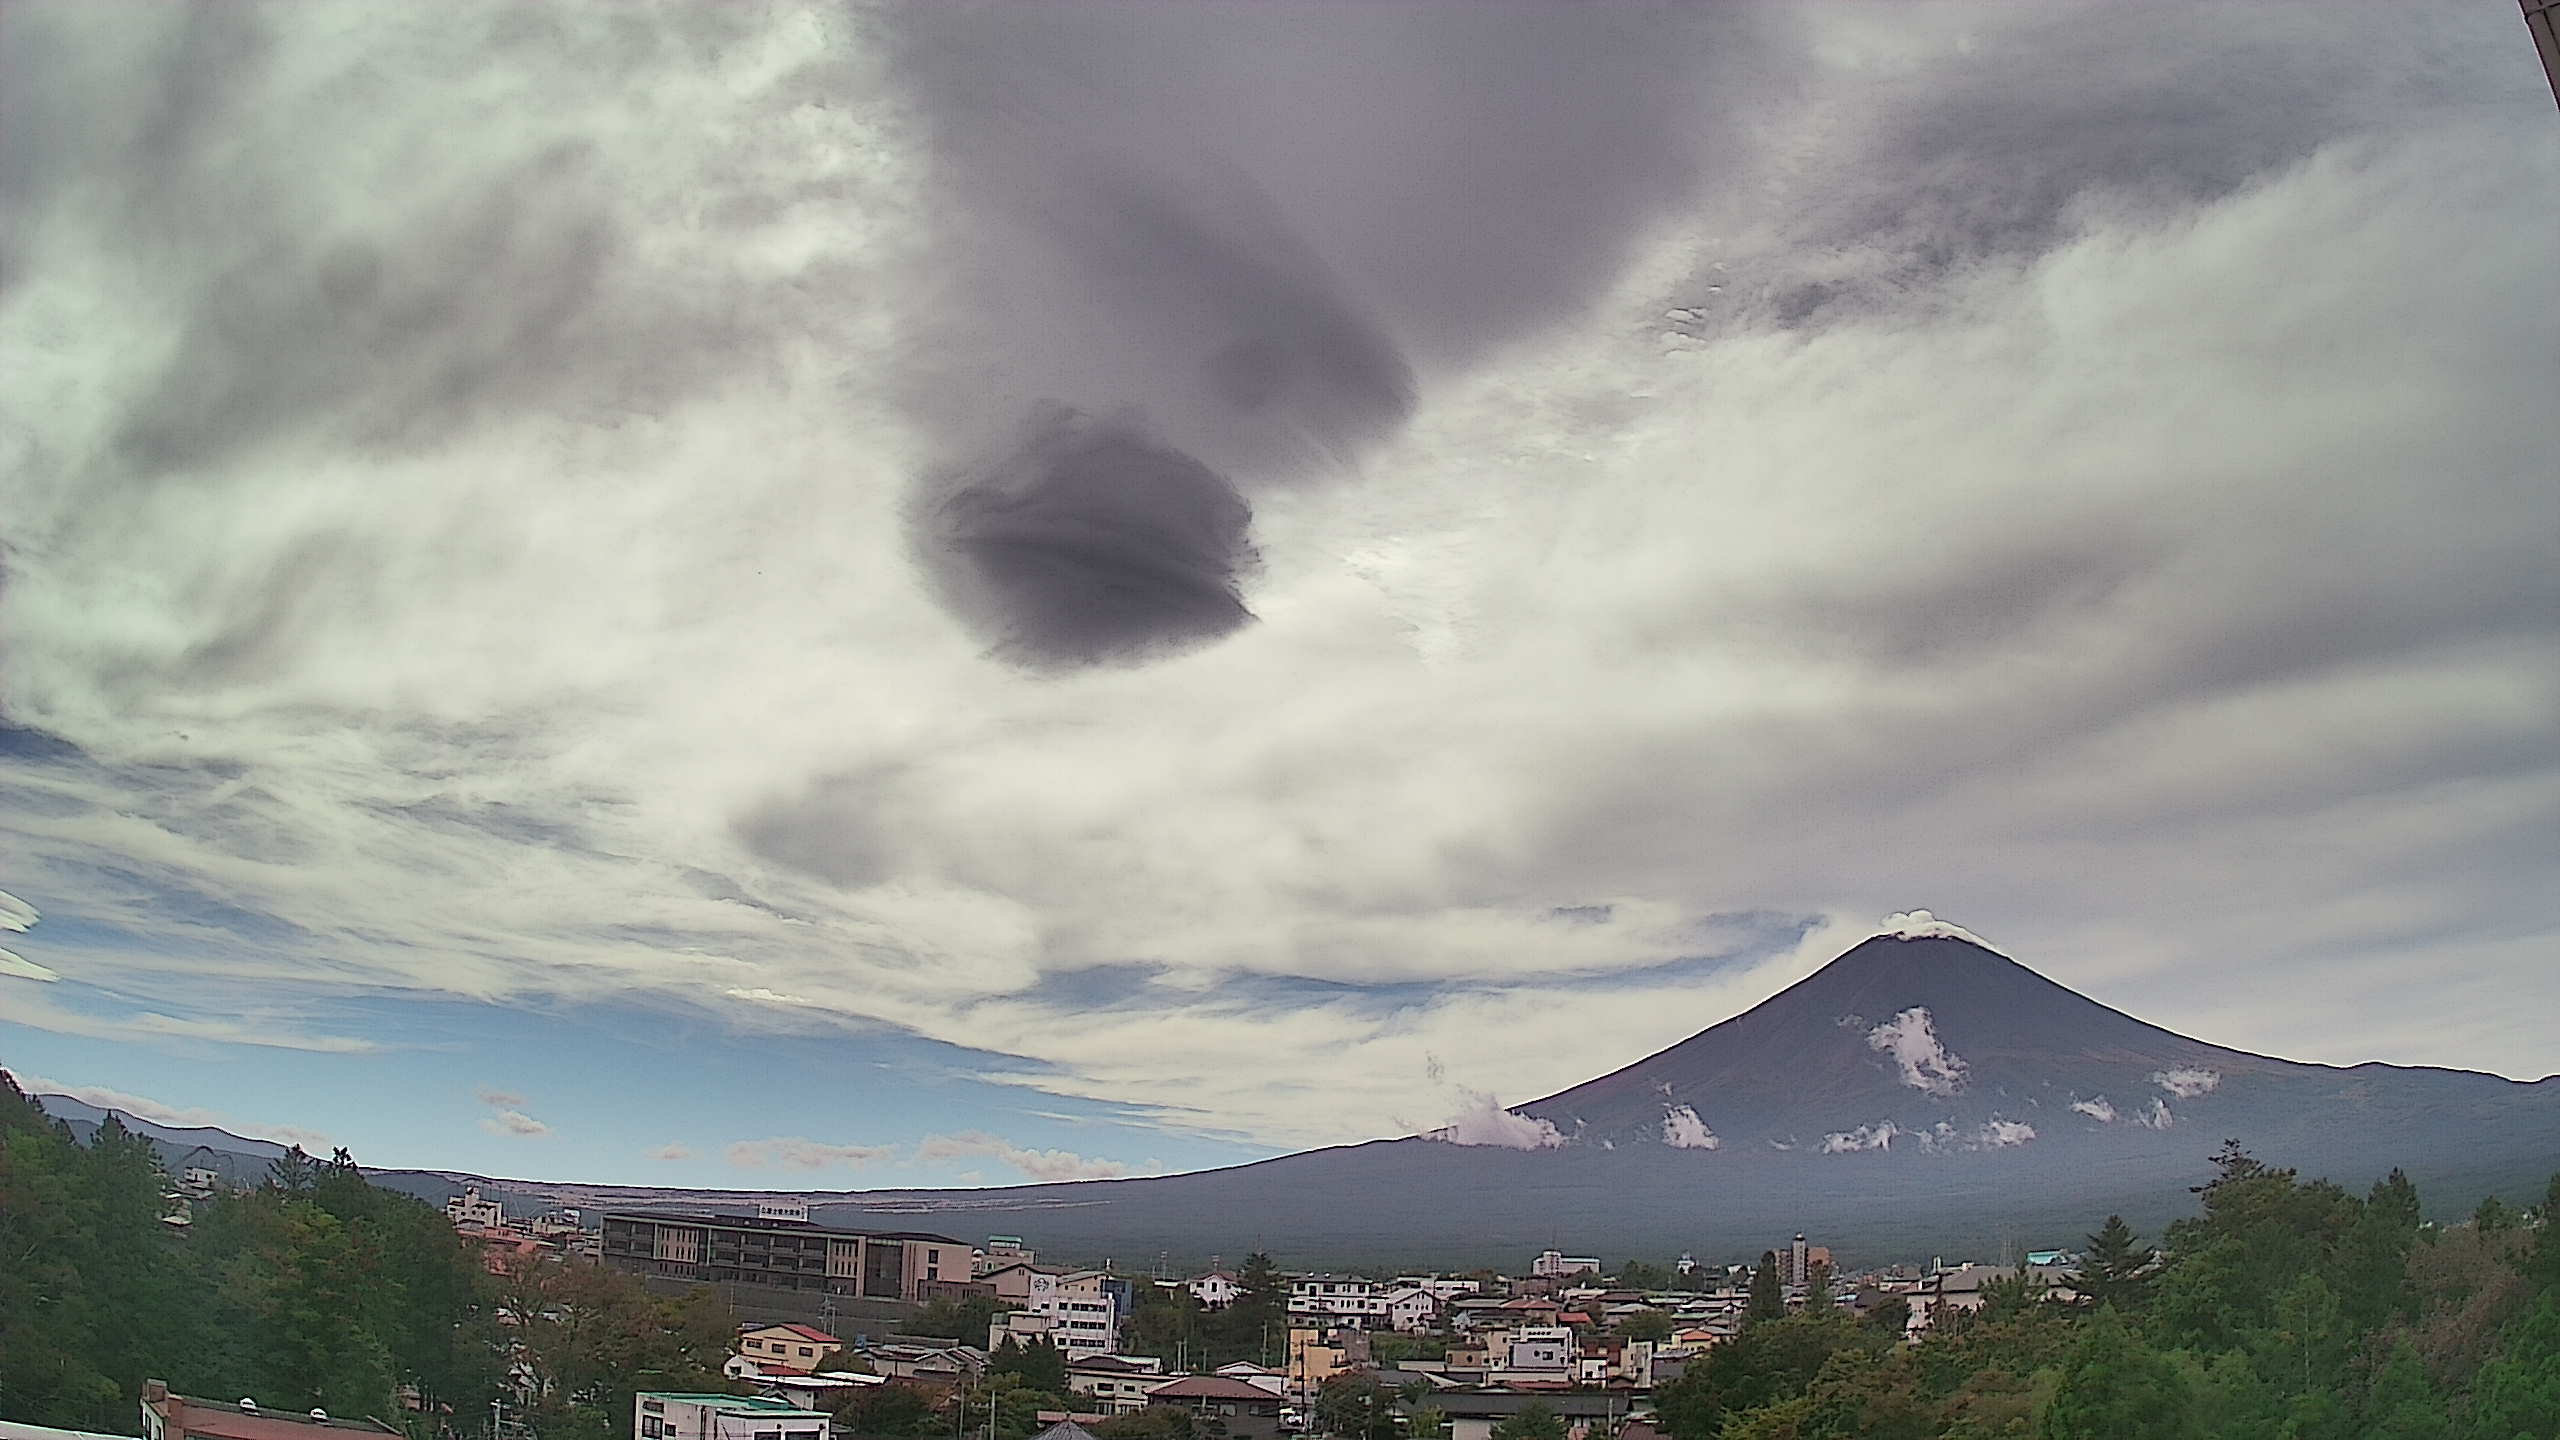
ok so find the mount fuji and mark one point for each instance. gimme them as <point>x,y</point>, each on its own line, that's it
<point>1920,1094</point>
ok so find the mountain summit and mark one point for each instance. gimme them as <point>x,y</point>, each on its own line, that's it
<point>1924,1040</point>
<point>1920,1094</point>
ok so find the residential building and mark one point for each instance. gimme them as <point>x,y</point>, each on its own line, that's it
<point>1246,1411</point>
<point>667,1415</point>
<point>1336,1299</point>
<point>816,1392</point>
<point>788,1348</point>
<point>785,1254</point>
<point>782,1207</point>
<point>1002,1250</point>
<point>1555,1265</point>
<point>1540,1348</point>
<point>1023,1286</point>
<point>1119,1384</point>
<point>1317,1354</point>
<point>1409,1308</point>
<point>943,1363</point>
<point>167,1416</point>
<point>1472,1414</point>
<point>1086,1307</point>
<point>1216,1290</point>
<point>1796,1261</point>
<point>1252,1374</point>
<point>468,1208</point>
<point>1444,1288</point>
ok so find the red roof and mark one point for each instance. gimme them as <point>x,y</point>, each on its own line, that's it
<point>806,1332</point>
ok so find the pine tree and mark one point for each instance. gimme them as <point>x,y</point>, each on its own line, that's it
<point>1767,1301</point>
<point>1817,1285</point>
<point>2111,1272</point>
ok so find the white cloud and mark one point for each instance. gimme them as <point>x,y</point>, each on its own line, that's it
<point>794,1152</point>
<point>16,966</point>
<point>1912,1040</point>
<point>2100,1109</point>
<point>1483,1121</point>
<point>502,1099</point>
<point>672,1152</point>
<point>1037,1164</point>
<point>1921,925</point>
<point>1878,1136</point>
<point>1683,1130</point>
<point>515,1124</point>
<point>17,914</point>
<point>2186,1084</point>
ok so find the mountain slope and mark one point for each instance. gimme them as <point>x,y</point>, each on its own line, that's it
<point>1920,1094</point>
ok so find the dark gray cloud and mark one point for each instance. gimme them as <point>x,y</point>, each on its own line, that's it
<point>1090,543</point>
<point>1255,225</point>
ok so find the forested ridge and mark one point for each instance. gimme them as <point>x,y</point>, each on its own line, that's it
<point>2285,1310</point>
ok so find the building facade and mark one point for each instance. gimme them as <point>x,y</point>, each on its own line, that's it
<point>665,1415</point>
<point>785,1254</point>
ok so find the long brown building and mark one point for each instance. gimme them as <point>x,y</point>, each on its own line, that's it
<point>784,1254</point>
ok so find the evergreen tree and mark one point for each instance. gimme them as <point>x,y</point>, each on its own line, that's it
<point>1817,1285</point>
<point>2117,1388</point>
<point>1768,1301</point>
<point>2110,1272</point>
<point>2493,1215</point>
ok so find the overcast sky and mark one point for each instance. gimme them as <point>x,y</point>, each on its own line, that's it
<point>1122,589</point>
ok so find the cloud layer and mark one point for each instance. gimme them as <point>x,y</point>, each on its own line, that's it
<point>460,489</point>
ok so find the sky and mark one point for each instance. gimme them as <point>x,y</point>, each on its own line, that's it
<point>836,595</point>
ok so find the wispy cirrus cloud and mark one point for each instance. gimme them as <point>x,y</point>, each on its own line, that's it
<point>795,1152</point>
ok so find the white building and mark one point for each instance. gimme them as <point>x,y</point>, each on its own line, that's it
<point>1073,1312</point>
<point>1555,1265</point>
<point>1540,1347</point>
<point>1443,1288</point>
<point>1001,1251</point>
<point>660,1416</point>
<point>783,1207</point>
<point>1216,1290</point>
<point>468,1208</point>
<point>1409,1308</point>
<point>1336,1299</point>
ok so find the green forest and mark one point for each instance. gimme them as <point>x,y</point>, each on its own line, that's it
<point>2286,1310</point>
<point>318,1289</point>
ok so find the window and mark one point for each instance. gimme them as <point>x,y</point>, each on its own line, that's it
<point>651,1427</point>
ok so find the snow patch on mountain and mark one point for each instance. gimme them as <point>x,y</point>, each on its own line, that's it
<point>2155,1118</point>
<point>1683,1130</point>
<point>1879,1136</point>
<point>1998,1134</point>
<point>2101,1109</point>
<point>2186,1084</point>
<point>1911,1038</point>
<point>1484,1122</point>
<point>1921,925</point>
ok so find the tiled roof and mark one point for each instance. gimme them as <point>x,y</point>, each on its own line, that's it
<point>1211,1387</point>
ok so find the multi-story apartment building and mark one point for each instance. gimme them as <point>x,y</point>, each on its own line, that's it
<point>1556,1265</point>
<point>785,1254</point>
<point>1079,1312</point>
<point>468,1208</point>
<point>1338,1300</point>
